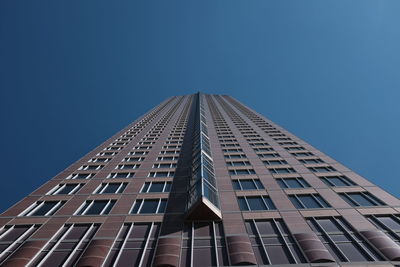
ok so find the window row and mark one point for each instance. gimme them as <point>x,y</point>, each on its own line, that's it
<point>97,207</point>
<point>84,176</point>
<point>246,203</point>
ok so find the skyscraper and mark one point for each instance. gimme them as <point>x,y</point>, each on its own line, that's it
<point>202,180</point>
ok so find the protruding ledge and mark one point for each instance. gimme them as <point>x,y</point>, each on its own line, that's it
<point>240,250</point>
<point>168,251</point>
<point>203,209</point>
<point>313,248</point>
<point>383,243</point>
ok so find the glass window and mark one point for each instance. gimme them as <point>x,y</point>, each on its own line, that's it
<point>91,167</point>
<point>248,184</point>
<point>337,181</point>
<point>161,174</point>
<point>121,175</point>
<point>281,170</point>
<point>80,176</point>
<point>242,172</point>
<point>146,206</point>
<point>272,243</point>
<point>275,162</point>
<point>237,156</point>
<point>364,199</point>
<point>128,166</point>
<point>96,207</point>
<point>111,188</point>
<point>302,154</point>
<point>134,159</point>
<point>308,201</point>
<point>150,206</point>
<point>311,161</point>
<point>295,182</point>
<point>66,189</point>
<point>256,203</point>
<point>322,169</point>
<point>243,204</point>
<point>164,165</point>
<point>66,246</point>
<point>238,163</point>
<point>157,187</point>
<point>345,244</point>
<point>43,208</point>
<point>12,236</point>
<point>135,244</point>
<point>390,224</point>
<point>268,155</point>
<point>205,242</point>
<point>295,148</point>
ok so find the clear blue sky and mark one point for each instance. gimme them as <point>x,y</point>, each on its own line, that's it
<point>72,73</point>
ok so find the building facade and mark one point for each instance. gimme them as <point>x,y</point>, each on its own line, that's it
<point>203,180</point>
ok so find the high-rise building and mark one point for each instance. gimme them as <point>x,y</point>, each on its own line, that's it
<point>203,180</point>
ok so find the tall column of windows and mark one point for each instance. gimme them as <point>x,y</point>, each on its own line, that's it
<point>176,153</point>
<point>243,168</point>
<point>203,192</point>
<point>98,162</point>
<point>227,149</point>
<point>95,165</point>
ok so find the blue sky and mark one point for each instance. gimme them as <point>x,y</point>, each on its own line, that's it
<point>73,73</point>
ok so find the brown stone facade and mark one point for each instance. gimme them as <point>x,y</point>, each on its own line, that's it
<point>281,200</point>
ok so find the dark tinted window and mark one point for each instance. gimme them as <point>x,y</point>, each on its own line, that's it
<point>67,189</point>
<point>149,206</point>
<point>337,181</point>
<point>297,182</point>
<point>308,201</point>
<point>342,241</point>
<point>272,243</point>
<point>146,206</point>
<point>156,187</point>
<point>44,208</point>
<point>97,207</point>
<point>361,199</point>
<point>111,188</point>
<point>256,203</point>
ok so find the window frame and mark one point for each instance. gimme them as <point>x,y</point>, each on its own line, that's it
<point>300,180</point>
<point>61,186</point>
<point>367,195</point>
<point>291,248</point>
<point>150,183</point>
<point>81,211</point>
<point>256,184</point>
<point>38,204</point>
<point>143,200</point>
<point>344,227</point>
<point>316,200</point>
<point>344,179</point>
<point>103,186</point>
<point>154,174</point>
<point>263,197</point>
<point>114,175</point>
